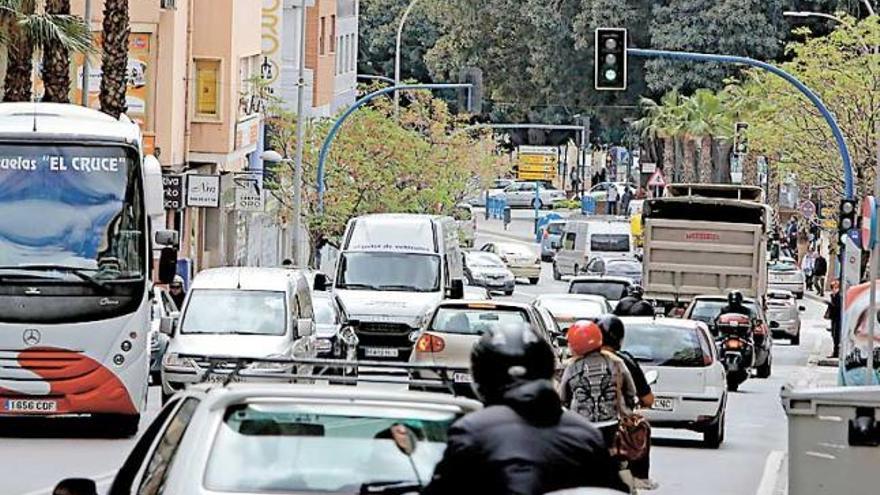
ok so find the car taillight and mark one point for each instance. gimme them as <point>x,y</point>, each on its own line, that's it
<point>430,343</point>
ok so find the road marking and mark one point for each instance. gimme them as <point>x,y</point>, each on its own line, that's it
<point>772,471</point>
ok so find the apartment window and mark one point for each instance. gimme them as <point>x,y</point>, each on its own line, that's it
<point>322,36</point>
<point>352,52</point>
<point>332,34</point>
<point>207,89</point>
<point>340,57</point>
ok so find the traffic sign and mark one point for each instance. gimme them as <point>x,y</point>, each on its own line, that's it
<point>249,191</point>
<point>538,150</point>
<point>808,209</point>
<point>538,159</point>
<point>869,223</point>
<point>521,175</point>
<point>537,203</point>
<point>657,179</point>
<point>537,168</point>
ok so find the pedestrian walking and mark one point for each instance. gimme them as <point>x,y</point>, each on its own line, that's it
<point>176,291</point>
<point>626,199</point>
<point>613,335</point>
<point>522,442</point>
<point>807,267</point>
<point>832,313</point>
<point>575,183</point>
<point>820,269</point>
<point>611,200</point>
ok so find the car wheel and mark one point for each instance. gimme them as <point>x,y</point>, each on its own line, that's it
<point>766,369</point>
<point>714,436</point>
<point>556,274</point>
<point>533,280</point>
<point>508,292</point>
<point>796,339</point>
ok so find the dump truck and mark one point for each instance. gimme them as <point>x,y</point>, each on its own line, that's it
<point>705,239</point>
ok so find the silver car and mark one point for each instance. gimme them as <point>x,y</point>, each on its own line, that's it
<point>487,270</point>
<point>281,438</point>
<point>522,194</point>
<point>569,308</point>
<point>784,315</point>
<point>520,258</point>
<point>785,274</point>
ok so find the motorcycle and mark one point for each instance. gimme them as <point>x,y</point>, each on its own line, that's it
<point>736,346</point>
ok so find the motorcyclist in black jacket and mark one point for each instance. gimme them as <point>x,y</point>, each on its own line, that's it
<point>634,294</point>
<point>523,442</point>
<point>735,305</point>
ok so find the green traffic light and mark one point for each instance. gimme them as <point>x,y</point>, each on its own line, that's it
<point>611,74</point>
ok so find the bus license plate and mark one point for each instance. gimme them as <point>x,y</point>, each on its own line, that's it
<point>381,352</point>
<point>212,378</point>
<point>663,404</point>
<point>30,406</point>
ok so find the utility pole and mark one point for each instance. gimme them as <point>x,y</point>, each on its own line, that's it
<point>84,82</point>
<point>300,143</point>
<point>397,56</point>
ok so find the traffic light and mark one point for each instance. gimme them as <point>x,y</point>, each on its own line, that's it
<point>740,140</point>
<point>610,60</point>
<point>847,220</point>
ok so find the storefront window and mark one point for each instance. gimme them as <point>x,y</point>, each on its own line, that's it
<point>207,89</point>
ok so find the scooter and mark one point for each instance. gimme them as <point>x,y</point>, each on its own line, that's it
<point>736,346</point>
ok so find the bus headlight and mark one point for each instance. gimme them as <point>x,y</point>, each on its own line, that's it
<point>173,360</point>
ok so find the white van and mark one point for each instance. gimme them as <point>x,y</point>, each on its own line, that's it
<point>239,312</point>
<point>584,239</point>
<point>392,270</point>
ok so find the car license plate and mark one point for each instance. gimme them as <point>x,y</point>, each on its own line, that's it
<point>381,352</point>
<point>215,378</point>
<point>30,405</point>
<point>462,378</point>
<point>663,404</point>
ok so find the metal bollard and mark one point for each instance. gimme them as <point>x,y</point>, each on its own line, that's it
<point>506,216</point>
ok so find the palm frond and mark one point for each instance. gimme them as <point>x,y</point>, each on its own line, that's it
<point>67,30</point>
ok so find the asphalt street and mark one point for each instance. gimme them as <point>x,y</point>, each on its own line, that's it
<point>33,457</point>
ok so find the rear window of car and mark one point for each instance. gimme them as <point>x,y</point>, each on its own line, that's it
<point>615,243</point>
<point>568,309</point>
<point>475,321</point>
<point>612,291</point>
<point>275,448</point>
<point>706,310</point>
<point>656,344</point>
<point>782,266</point>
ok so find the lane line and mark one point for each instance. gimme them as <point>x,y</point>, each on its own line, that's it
<point>772,471</point>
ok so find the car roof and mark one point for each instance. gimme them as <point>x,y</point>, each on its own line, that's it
<point>575,297</point>
<point>669,322</point>
<point>246,278</point>
<point>598,278</point>
<point>219,397</point>
<point>482,304</point>
<point>720,298</point>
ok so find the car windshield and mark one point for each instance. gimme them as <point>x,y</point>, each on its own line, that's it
<point>266,448</point>
<point>612,291</point>
<point>403,272</point>
<point>614,243</point>
<point>325,311</point>
<point>73,208</point>
<point>567,309</point>
<point>476,320</point>
<point>707,310</point>
<point>623,266</point>
<point>484,260</point>
<point>244,312</point>
<point>665,345</point>
<point>555,228</point>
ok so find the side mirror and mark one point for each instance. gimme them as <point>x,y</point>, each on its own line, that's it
<point>304,327</point>
<point>774,324</point>
<point>321,284</point>
<point>457,289</point>
<point>167,265</point>
<point>651,377</point>
<point>167,237</point>
<point>404,438</point>
<point>76,486</point>
<point>167,324</point>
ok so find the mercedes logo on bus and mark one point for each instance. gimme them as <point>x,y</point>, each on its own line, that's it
<point>31,336</point>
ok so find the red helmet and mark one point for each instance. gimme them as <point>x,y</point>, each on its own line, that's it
<point>584,337</point>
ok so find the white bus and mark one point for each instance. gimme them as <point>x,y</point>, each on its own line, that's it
<point>76,197</point>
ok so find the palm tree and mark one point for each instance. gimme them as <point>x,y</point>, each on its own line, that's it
<point>22,29</point>
<point>56,60</point>
<point>663,120</point>
<point>706,118</point>
<point>114,64</point>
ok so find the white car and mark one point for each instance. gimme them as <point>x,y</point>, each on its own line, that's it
<point>783,315</point>
<point>691,390</point>
<point>785,274</point>
<point>522,194</point>
<point>600,191</point>
<point>569,308</point>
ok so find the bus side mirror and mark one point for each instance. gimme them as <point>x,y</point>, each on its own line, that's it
<point>167,238</point>
<point>457,289</point>
<point>167,324</point>
<point>167,265</point>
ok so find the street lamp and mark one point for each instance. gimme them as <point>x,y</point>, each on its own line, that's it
<point>875,252</point>
<point>272,157</point>
<point>397,55</point>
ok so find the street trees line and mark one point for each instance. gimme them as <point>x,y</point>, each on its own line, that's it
<point>418,165</point>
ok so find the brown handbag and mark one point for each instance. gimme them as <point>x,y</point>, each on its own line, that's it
<point>633,431</point>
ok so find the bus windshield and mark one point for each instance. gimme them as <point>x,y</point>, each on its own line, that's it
<point>71,210</point>
<point>404,272</point>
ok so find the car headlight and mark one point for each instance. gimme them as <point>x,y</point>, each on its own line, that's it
<point>173,360</point>
<point>323,345</point>
<point>348,336</point>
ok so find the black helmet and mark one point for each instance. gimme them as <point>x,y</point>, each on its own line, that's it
<point>508,355</point>
<point>612,331</point>
<point>735,297</point>
<point>642,308</point>
<point>635,290</point>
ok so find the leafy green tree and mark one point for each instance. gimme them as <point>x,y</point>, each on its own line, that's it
<point>379,20</point>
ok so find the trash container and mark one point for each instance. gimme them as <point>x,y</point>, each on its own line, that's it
<point>833,438</point>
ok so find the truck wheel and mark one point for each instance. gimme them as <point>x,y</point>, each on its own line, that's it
<point>556,274</point>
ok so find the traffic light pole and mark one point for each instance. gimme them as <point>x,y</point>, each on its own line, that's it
<point>849,186</point>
